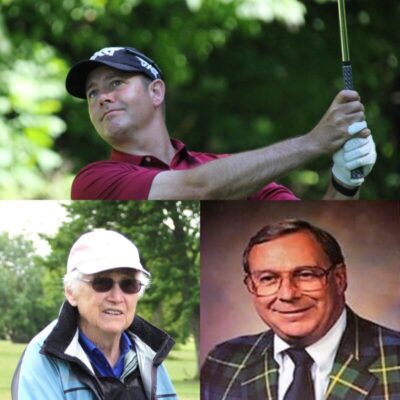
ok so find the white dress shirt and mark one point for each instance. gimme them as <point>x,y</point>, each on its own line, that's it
<point>323,353</point>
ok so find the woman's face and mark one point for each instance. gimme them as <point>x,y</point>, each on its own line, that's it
<point>108,314</point>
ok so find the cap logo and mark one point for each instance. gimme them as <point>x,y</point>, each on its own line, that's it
<point>146,65</point>
<point>107,51</point>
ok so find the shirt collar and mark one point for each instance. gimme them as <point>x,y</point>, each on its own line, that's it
<point>88,345</point>
<point>126,343</point>
<point>322,350</point>
<point>86,342</point>
<point>117,155</point>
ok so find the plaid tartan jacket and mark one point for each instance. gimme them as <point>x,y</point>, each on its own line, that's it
<point>366,366</point>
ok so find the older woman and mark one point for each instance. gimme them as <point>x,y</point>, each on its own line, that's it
<point>98,348</point>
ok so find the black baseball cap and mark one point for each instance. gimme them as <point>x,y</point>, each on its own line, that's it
<point>121,58</point>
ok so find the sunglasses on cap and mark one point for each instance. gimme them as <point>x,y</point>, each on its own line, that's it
<point>104,284</point>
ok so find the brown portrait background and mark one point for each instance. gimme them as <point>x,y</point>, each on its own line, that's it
<point>368,232</point>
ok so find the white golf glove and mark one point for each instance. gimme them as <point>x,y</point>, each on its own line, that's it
<point>356,152</point>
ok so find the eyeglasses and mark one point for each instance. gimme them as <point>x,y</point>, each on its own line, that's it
<point>306,279</point>
<point>104,284</point>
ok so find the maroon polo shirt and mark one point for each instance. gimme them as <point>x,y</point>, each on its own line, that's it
<point>129,177</point>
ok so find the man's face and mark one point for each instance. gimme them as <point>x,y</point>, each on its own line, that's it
<point>119,104</point>
<point>103,315</point>
<point>300,318</point>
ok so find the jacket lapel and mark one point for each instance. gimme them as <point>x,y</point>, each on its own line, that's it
<point>350,377</point>
<point>260,375</point>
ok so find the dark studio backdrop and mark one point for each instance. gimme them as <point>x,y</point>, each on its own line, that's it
<point>368,232</point>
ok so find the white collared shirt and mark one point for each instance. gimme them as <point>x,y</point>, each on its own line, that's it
<point>323,353</point>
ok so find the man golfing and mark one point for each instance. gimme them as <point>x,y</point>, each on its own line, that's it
<point>125,93</point>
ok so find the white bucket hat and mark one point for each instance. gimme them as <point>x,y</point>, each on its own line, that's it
<point>102,250</point>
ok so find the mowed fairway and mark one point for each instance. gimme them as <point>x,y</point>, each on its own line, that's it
<point>9,356</point>
<point>181,367</point>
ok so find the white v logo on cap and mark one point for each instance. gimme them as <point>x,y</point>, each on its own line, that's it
<point>107,51</point>
<point>148,66</point>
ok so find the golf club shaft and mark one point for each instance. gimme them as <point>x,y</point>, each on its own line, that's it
<point>346,65</point>
<point>344,41</point>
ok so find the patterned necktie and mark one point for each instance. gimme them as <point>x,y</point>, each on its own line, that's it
<point>302,387</point>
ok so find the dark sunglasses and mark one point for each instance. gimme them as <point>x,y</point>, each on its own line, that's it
<point>104,284</point>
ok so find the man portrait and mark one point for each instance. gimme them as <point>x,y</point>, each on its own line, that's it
<point>315,341</point>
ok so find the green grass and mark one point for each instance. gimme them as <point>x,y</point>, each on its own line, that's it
<point>181,365</point>
<point>9,356</point>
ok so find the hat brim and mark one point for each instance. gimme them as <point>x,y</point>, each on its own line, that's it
<point>94,267</point>
<point>76,79</point>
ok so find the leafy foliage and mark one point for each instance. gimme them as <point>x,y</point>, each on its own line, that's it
<point>23,309</point>
<point>240,74</point>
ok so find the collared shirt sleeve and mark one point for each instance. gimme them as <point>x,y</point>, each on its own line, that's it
<point>273,191</point>
<point>129,177</point>
<point>111,180</point>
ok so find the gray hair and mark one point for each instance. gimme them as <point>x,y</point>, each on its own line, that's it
<point>275,230</point>
<point>73,280</point>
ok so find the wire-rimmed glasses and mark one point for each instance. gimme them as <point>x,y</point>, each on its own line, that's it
<point>305,278</point>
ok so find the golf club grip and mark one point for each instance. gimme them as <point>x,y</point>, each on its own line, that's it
<point>347,75</point>
<point>357,173</point>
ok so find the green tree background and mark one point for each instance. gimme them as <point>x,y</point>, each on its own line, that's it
<point>240,74</point>
<point>167,236</point>
<point>23,308</point>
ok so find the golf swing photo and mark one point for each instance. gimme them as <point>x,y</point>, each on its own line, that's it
<point>126,107</point>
